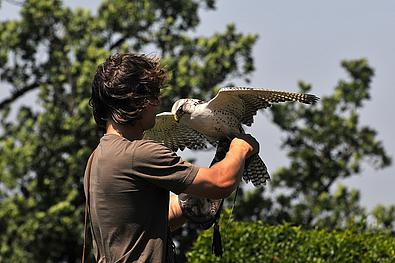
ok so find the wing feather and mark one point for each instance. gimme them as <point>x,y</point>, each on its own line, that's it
<point>175,135</point>
<point>244,102</point>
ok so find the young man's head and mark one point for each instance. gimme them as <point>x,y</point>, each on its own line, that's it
<point>123,86</point>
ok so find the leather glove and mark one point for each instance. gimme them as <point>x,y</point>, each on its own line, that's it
<point>201,211</point>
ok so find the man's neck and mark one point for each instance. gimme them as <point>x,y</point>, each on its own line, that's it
<point>127,131</point>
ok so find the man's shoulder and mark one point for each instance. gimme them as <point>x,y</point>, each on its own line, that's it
<point>142,150</point>
<point>150,144</point>
<point>150,148</point>
<point>114,139</point>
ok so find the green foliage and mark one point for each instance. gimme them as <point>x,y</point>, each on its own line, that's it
<point>385,216</point>
<point>325,143</point>
<point>259,242</point>
<point>55,50</point>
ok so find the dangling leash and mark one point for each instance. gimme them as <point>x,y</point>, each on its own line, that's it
<point>87,200</point>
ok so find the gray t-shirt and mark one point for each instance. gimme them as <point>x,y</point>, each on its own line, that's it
<point>129,198</point>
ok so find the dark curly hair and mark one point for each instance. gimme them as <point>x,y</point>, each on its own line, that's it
<point>122,86</point>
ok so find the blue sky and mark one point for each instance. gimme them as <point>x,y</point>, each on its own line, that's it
<point>306,40</point>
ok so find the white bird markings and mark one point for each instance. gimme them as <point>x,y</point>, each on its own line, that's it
<point>196,124</point>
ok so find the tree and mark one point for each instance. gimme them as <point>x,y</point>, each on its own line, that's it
<point>54,50</point>
<point>325,143</point>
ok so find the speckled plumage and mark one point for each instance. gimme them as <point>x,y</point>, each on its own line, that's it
<point>215,122</point>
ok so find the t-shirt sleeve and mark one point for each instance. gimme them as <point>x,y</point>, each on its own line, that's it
<point>158,165</point>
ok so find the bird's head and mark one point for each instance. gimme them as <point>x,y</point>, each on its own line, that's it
<point>177,109</point>
<point>183,106</point>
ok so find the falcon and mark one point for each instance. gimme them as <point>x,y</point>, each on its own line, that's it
<point>196,124</point>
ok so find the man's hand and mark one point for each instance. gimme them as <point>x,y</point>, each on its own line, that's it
<point>247,142</point>
<point>176,219</point>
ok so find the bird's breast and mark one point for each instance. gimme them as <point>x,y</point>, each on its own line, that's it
<point>214,124</point>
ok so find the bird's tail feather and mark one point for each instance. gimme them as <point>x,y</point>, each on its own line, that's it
<point>256,171</point>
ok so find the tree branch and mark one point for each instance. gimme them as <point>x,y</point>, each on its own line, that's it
<point>118,43</point>
<point>18,93</point>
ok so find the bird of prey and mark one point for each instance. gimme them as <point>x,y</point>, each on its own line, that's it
<point>195,124</point>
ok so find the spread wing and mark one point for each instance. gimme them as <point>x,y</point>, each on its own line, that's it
<point>245,102</point>
<point>175,135</point>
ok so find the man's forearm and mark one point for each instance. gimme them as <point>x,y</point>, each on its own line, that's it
<point>229,171</point>
<point>221,179</point>
<point>232,166</point>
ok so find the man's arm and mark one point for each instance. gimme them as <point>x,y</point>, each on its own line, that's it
<point>221,179</point>
<point>176,218</point>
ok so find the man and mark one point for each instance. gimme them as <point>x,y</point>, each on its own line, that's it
<point>130,178</point>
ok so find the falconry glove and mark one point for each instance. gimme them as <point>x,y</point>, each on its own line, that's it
<point>202,212</point>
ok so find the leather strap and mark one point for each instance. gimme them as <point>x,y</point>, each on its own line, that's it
<point>87,212</point>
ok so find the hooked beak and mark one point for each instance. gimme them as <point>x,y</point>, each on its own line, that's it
<point>178,115</point>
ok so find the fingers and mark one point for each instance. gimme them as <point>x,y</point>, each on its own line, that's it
<point>251,141</point>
